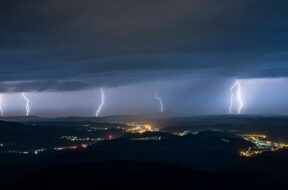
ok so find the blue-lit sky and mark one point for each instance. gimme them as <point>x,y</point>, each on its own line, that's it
<point>181,97</point>
<point>191,51</point>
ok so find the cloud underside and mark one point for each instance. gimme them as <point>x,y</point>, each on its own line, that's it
<point>72,45</point>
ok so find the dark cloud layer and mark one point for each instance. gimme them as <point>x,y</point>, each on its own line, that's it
<point>61,45</point>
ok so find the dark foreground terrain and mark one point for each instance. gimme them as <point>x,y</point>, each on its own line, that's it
<point>144,175</point>
<point>142,169</point>
<point>208,159</point>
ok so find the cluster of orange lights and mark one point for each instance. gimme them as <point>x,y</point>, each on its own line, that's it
<point>140,128</point>
<point>261,145</point>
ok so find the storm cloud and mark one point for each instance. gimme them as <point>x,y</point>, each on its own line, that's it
<point>66,45</point>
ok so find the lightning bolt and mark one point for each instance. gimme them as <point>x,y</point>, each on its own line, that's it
<point>157,97</point>
<point>27,104</point>
<point>237,86</point>
<point>1,105</point>
<point>102,102</point>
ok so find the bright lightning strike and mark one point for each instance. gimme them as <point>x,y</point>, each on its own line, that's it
<point>1,105</point>
<point>27,104</point>
<point>237,86</point>
<point>102,103</point>
<point>157,97</point>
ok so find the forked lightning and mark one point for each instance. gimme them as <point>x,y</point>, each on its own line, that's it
<point>102,102</point>
<point>237,86</point>
<point>157,97</point>
<point>1,105</point>
<point>27,107</point>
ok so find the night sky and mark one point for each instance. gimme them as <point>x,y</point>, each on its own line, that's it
<point>61,52</point>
